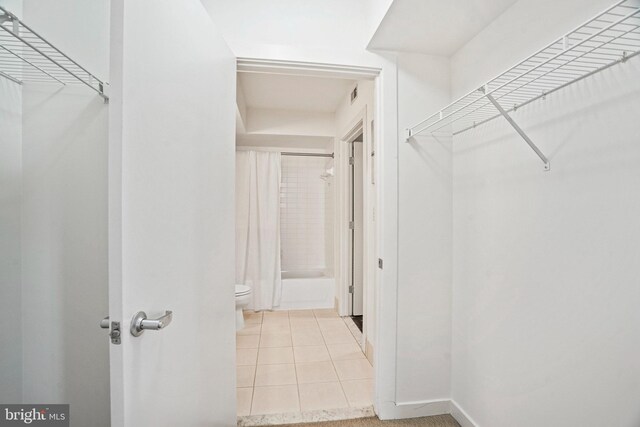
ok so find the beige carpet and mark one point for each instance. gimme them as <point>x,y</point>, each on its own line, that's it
<point>437,421</point>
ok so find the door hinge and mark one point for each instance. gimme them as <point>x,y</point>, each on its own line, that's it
<point>352,225</point>
<point>351,289</point>
<point>380,263</point>
<point>115,333</point>
<point>351,160</point>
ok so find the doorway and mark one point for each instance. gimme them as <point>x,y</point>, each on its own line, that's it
<point>357,201</point>
<point>305,354</point>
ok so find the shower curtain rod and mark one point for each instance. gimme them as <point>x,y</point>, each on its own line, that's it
<point>288,153</point>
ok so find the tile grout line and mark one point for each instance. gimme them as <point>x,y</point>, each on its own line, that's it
<point>336,370</point>
<point>340,379</point>
<point>258,352</point>
<point>295,365</point>
<point>255,370</point>
<point>295,362</point>
<point>360,340</point>
<point>333,362</point>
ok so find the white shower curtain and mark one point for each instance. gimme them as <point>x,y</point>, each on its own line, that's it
<point>258,226</point>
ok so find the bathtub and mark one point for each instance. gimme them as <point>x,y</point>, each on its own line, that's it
<point>307,289</point>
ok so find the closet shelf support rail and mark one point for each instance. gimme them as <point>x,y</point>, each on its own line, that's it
<point>547,165</point>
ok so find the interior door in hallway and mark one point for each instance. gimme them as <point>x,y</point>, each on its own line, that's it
<point>356,201</point>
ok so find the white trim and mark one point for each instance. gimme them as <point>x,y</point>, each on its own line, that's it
<point>315,69</point>
<point>424,408</point>
<point>461,416</point>
<point>356,127</point>
<point>385,331</point>
<point>342,217</point>
<point>343,258</point>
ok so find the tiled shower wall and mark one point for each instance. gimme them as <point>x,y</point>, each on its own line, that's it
<point>306,214</point>
<point>328,222</point>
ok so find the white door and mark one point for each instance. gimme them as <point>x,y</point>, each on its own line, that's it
<point>357,235</point>
<point>171,215</point>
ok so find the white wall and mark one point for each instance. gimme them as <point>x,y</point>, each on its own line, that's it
<point>267,121</point>
<point>13,6</point>
<point>291,23</point>
<point>422,332</point>
<point>296,31</point>
<point>377,9</point>
<point>545,297</point>
<point>255,29</point>
<point>424,235</point>
<point>78,28</point>
<point>64,251</point>
<point>10,259</point>
<point>64,221</point>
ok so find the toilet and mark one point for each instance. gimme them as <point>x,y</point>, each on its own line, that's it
<point>243,298</point>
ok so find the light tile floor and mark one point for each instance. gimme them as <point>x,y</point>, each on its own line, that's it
<point>300,360</point>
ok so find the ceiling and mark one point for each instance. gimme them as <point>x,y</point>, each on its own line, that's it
<point>435,27</point>
<point>290,92</point>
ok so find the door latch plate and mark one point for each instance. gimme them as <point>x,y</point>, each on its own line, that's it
<point>115,333</point>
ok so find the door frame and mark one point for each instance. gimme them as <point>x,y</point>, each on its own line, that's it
<point>373,230</point>
<point>343,254</point>
<point>343,213</point>
<point>370,236</point>
<point>383,70</point>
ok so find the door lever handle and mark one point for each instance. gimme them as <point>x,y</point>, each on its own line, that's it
<point>104,323</point>
<point>140,323</point>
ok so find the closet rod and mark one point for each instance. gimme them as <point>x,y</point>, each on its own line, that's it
<point>288,153</point>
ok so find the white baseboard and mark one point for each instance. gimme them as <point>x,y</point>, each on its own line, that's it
<point>461,416</point>
<point>427,408</point>
<point>395,411</point>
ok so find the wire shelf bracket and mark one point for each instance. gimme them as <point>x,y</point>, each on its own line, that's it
<point>534,147</point>
<point>25,56</point>
<point>610,38</point>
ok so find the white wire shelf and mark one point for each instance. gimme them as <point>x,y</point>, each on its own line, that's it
<point>26,56</point>
<point>609,38</point>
